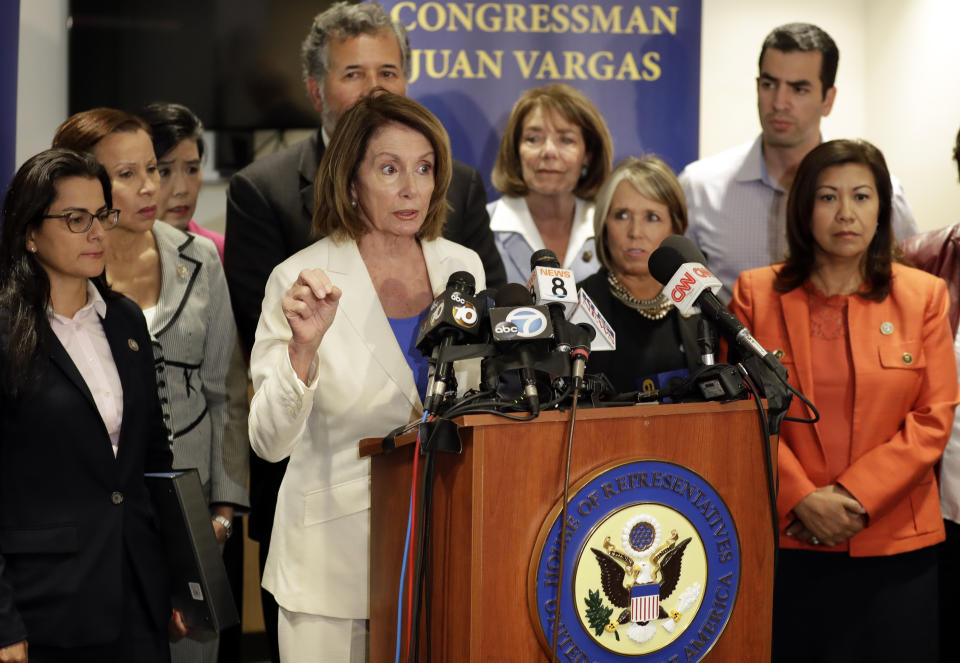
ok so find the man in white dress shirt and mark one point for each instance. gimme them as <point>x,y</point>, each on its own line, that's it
<point>736,200</point>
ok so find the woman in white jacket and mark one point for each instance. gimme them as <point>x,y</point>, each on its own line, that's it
<point>334,360</point>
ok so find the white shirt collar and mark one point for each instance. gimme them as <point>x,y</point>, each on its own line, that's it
<point>95,301</point>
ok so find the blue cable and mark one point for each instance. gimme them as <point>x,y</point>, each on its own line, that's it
<point>403,568</point>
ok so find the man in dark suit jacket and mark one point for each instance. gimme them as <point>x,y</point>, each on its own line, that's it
<point>350,50</point>
<point>82,564</point>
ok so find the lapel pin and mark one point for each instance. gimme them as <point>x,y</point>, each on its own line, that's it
<point>587,255</point>
<point>886,328</point>
<point>182,271</point>
<point>133,344</point>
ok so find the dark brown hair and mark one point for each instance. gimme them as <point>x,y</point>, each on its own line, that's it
<point>882,250</point>
<point>25,289</point>
<point>82,131</point>
<point>806,38</point>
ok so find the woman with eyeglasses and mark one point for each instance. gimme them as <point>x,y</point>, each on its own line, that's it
<point>83,576</point>
<point>177,280</point>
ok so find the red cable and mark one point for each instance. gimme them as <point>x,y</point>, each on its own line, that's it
<point>411,570</point>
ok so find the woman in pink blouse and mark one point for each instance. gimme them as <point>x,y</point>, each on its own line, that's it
<point>83,576</point>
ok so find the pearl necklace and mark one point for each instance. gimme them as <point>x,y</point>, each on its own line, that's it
<point>652,309</point>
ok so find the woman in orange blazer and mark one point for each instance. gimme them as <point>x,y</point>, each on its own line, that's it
<point>868,341</point>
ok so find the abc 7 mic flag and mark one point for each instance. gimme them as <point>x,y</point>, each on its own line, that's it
<point>520,323</point>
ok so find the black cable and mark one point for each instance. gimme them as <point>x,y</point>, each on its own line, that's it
<point>772,479</point>
<point>428,588</point>
<point>465,401</point>
<point>563,524</point>
<point>806,401</point>
<point>487,410</point>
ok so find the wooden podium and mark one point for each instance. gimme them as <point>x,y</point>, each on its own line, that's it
<point>491,501</point>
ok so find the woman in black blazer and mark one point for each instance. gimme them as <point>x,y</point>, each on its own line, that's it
<point>82,572</point>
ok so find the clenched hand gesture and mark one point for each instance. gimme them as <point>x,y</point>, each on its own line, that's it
<point>309,307</point>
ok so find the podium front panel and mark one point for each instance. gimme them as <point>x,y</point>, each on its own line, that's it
<point>491,502</point>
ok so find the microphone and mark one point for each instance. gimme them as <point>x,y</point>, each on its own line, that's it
<point>707,340</point>
<point>514,318</point>
<point>580,350</point>
<point>679,265</point>
<point>550,283</point>
<point>556,288</point>
<point>452,316</point>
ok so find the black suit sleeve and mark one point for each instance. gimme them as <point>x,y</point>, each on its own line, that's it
<point>253,246</point>
<point>470,226</point>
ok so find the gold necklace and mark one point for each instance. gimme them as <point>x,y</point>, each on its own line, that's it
<point>652,309</point>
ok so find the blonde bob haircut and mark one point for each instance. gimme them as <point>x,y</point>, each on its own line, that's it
<point>653,179</point>
<point>337,173</point>
<point>573,106</point>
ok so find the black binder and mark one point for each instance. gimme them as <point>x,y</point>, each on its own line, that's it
<point>201,591</point>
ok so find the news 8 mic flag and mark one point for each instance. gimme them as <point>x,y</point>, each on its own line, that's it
<point>550,283</point>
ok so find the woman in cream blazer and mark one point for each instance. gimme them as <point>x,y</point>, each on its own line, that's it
<point>330,365</point>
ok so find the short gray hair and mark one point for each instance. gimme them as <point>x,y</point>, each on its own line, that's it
<point>344,20</point>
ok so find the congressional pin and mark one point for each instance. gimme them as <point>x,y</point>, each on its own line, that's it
<point>182,271</point>
<point>886,328</point>
<point>778,354</point>
<point>133,344</point>
<point>907,358</point>
<point>587,255</point>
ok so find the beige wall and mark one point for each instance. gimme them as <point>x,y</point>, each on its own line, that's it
<point>913,100</point>
<point>897,84</point>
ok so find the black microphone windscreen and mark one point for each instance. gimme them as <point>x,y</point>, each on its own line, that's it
<point>544,258</point>
<point>513,294</point>
<point>590,332</point>
<point>673,251</point>
<point>462,281</point>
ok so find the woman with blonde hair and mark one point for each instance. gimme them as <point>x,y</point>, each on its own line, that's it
<point>639,205</point>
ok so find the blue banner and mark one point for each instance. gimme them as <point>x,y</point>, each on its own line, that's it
<point>9,38</point>
<point>639,62</point>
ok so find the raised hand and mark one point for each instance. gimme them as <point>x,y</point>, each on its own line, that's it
<point>309,307</point>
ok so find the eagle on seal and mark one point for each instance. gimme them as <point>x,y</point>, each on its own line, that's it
<point>617,580</point>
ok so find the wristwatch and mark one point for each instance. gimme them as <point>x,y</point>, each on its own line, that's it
<point>227,525</point>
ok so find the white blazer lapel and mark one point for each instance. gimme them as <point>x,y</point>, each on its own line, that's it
<point>361,309</point>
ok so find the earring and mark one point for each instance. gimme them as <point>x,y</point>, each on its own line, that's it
<point>33,249</point>
<point>353,204</point>
<point>583,171</point>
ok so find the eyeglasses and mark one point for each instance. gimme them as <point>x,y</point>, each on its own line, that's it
<point>81,222</point>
